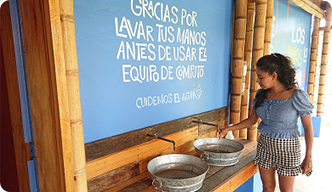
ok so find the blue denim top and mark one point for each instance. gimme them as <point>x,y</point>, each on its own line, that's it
<point>279,117</point>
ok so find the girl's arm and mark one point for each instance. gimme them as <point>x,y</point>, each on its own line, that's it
<point>309,139</point>
<point>251,120</point>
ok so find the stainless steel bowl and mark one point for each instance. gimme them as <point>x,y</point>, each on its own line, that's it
<point>223,152</point>
<point>177,172</point>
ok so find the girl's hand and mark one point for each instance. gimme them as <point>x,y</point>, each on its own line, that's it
<point>222,133</point>
<point>306,165</point>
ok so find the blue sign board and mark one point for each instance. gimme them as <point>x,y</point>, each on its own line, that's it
<point>291,36</point>
<point>146,62</point>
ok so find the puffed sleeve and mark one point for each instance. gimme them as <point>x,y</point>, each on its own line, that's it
<point>255,99</point>
<point>301,103</point>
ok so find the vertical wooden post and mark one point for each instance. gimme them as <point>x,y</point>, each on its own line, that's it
<point>21,149</point>
<point>238,52</point>
<point>247,60</point>
<point>324,61</point>
<point>47,85</point>
<point>76,122</point>
<point>258,52</point>
<point>313,59</point>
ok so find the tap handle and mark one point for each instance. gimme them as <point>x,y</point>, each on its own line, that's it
<point>158,131</point>
<point>196,120</point>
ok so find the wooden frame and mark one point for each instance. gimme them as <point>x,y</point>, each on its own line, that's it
<point>46,78</point>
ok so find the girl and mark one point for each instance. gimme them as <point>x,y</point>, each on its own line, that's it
<point>279,103</point>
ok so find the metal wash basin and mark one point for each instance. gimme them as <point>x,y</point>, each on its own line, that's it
<point>223,152</point>
<point>177,172</point>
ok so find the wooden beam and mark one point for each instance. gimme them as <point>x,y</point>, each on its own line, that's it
<point>46,79</point>
<point>113,178</point>
<point>323,28</point>
<point>130,182</point>
<point>309,7</point>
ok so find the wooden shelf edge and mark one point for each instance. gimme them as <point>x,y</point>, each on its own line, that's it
<point>233,182</point>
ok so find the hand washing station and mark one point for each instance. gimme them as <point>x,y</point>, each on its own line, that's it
<point>180,172</point>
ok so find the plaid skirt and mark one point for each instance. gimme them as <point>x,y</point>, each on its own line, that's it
<point>284,155</point>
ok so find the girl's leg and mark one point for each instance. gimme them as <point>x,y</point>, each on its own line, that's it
<point>268,179</point>
<point>286,183</point>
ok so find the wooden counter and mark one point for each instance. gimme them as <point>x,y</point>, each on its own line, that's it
<point>119,163</point>
<point>217,178</point>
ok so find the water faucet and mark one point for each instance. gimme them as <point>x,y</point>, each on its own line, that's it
<point>157,137</point>
<point>200,121</point>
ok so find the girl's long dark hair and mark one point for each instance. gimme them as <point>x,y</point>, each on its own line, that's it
<point>280,64</point>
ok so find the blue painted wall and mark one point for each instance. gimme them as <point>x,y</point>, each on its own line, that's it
<point>248,186</point>
<point>144,64</point>
<point>291,36</point>
<point>254,184</point>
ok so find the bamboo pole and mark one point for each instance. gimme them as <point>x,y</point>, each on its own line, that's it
<point>268,27</point>
<point>76,123</point>
<point>258,52</point>
<point>267,36</point>
<point>247,60</point>
<point>238,53</point>
<point>324,61</point>
<point>313,59</point>
<point>244,100</point>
